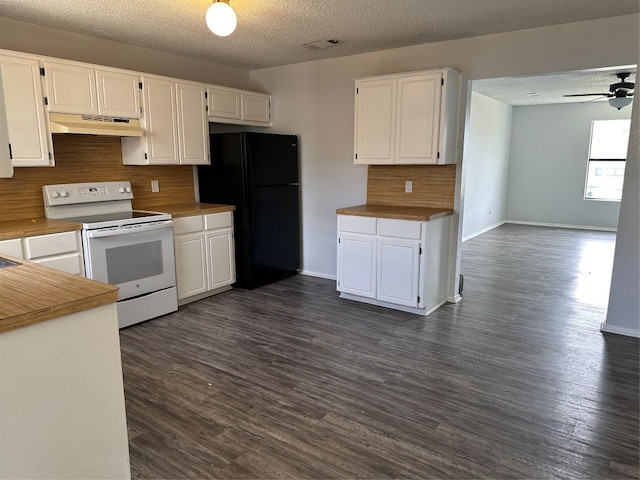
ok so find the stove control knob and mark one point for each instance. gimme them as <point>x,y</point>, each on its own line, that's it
<point>54,194</point>
<point>127,189</point>
<point>121,190</point>
<point>64,194</point>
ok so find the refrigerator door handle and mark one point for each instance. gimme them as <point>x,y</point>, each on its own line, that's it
<point>293,184</point>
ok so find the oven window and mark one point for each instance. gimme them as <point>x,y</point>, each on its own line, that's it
<point>134,262</point>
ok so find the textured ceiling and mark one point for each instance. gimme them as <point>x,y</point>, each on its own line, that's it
<point>551,88</point>
<point>272,32</point>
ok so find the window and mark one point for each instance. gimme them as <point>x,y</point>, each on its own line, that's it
<point>607,154</point>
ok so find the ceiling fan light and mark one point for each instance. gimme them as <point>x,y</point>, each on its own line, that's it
<point>221,19</point>
<point>619,102</point>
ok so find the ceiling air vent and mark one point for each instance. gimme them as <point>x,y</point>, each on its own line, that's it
<point>322,44</point>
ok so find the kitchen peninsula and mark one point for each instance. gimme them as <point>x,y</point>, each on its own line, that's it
<point>62,412</point>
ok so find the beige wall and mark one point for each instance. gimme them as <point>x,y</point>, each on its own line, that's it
<point>25,37</point>
<point>315,100</point>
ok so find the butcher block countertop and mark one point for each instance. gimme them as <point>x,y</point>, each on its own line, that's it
<point>192,208</point>
<point>29,227</point>
<point>32,293</point>
<point>421,214</point>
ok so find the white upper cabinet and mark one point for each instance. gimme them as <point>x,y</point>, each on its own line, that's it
<point>175,125</point>
<point>27,119</point>
<point>241,107</point>
<point>406,119</point>
<point>82,89</point>
<point>193,127</point>
<point>224,103</point>
<point>118,94</point>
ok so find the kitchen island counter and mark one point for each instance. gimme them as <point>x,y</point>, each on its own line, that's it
<point>32,293</point>
<point>421,214</point>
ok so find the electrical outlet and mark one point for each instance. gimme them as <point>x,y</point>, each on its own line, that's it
<point>408,186</point>
<point>155,186</point>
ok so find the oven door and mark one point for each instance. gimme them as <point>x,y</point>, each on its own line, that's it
<point>139,258</point>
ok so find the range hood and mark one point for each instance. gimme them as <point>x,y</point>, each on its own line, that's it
<point>95,125</point>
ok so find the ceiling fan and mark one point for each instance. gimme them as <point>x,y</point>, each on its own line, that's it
<point>619,94</point>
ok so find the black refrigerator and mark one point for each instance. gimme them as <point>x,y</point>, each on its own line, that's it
<point>258,173</point>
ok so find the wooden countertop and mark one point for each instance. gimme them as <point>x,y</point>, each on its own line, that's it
<point>191,208</point>
<point>28,227</point>
<point>398,212</point>
<point>32,293</point>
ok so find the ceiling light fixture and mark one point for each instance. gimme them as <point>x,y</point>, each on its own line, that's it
<point>220,18</point>
<point>619,102</point>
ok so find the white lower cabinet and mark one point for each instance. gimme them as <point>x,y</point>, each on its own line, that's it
<point>399,264</point>
<point>205,258</point>
<point>62,251</point>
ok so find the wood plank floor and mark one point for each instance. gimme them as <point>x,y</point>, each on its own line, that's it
<point>289,381</point>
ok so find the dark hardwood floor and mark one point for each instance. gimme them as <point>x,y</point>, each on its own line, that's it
<point>289,381</point>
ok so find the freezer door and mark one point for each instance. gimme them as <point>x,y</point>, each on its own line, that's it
<point>271,159</point>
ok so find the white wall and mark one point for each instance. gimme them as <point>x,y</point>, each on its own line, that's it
<point>315,100</point>
<point>486,165</point>
<point>623,315</point>
<point>549,151</point>
<point>29,38</point>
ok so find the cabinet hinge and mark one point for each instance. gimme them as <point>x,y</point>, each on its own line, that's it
<point>140,110</point>
<point>438,156</point>
<point>206,108</point>
<point>145,156</point>
<point>42,71</point>
<point>140,85</point>
<point>10,153</point>
<point>418,298</point>
<point>338,240</point>
<point>46,101</point>
<point>49,155</point>
<point>420,251</point>
<point>356,156</point>
<point>357,91</point>
<point>206,94</point>
<point>442,82</point>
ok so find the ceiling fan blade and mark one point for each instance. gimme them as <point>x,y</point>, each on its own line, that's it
<point>587,94</point>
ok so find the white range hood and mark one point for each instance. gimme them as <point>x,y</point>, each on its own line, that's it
<point>95,125</point>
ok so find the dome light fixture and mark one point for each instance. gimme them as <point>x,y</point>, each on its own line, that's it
<point>619,102</point>
<point>220,18</point>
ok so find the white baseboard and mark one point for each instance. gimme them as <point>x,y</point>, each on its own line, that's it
<point>563,225</point>
<point>318,275</point>
<point>484,230</point>
<point>629,332</point>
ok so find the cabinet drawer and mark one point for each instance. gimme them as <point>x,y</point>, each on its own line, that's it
<point>11,247</point>
<point>188,224</point>
<point>218,220</point>
<point>67,263</point>
<point>53,244</point>
<point>400,228</point>
<point>355,224</point>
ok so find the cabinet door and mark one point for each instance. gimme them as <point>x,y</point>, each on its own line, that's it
<point>161,121</point>
<point>26,117</point>
<point>224,103</point>
<point>375,121</point>
<point>71,88</point>
<point>220,256</point>
<point>193,126</point>
<point>398,270</point>
<point>418,119</point>
<point>118,94</point>
<point>256,107</point>
<point>191,275</point>
<point>357,264</point>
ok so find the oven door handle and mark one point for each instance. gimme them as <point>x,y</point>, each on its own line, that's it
<point>129,230</point>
